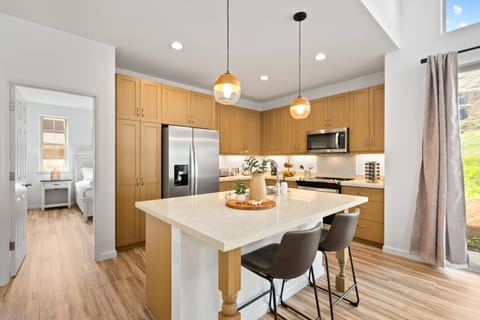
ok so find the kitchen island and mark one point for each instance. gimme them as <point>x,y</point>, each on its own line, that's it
<point>195,243</point>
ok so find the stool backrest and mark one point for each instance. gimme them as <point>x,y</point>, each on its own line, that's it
<point>296,253</point>
<point>341,232</point>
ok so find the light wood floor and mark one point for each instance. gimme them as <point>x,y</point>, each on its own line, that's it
<point>60,280</point>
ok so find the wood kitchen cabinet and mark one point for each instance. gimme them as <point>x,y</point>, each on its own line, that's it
<point>228,185</point>
<point>188,108</point>
<point>138,99</point>
<point>239,130</point>
<point>367,120</point>
<point>329,113</point>
<point>370,224</point>
<point>271,131</point>
<point>138,176</point>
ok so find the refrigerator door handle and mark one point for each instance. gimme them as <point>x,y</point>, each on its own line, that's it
<point>195,169</point>
<point>192,171</point>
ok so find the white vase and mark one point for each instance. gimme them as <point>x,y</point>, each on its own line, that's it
<point>258,187</point>
<point>240,198</point>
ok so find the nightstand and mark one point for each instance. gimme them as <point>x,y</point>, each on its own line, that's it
<point>56,193</point>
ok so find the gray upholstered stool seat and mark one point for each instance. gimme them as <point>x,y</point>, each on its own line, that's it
<point>289,259</point>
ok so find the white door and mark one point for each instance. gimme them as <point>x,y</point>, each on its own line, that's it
<point>18,165</point>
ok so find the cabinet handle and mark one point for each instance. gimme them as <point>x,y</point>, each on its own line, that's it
<point>362,194</point>
<point>143,113</point>
<point>363,207</point>
<point>361,226</point>
<point>138,112</point>
<point>325,122</point>
<point>138,182</point>
<point>143,182</point>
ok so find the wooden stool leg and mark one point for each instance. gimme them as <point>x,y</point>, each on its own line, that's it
<point>341,278</point>
<point>229,264</point>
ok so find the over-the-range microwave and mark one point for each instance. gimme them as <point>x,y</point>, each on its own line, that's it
<point>328,141</point>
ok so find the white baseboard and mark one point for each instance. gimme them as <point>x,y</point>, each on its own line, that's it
<point>402,253</point>
<point>106,255</point>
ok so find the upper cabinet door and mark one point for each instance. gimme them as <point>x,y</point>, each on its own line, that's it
<point>252,132</point>
<point>175,106</point>
<point>318,115</point>
<point>202,111</point>
<point>338,111</point>
<point>377,118</point>
<point>150,101</point>
<point>224,128</point>
<point>127,97</point>
<point>359,136</point>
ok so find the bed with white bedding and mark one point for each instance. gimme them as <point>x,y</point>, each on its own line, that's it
<point>84,184</point>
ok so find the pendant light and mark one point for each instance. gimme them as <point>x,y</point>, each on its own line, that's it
<point>300,106</point>
<point>227,86</point>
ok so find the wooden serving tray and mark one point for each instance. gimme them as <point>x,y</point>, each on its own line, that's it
<point>245,206</point>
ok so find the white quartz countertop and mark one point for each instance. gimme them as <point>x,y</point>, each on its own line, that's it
<point>267,176</point>
<point>206,217</point>
<point>362,183</point>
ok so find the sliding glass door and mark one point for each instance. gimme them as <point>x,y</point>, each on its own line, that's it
<point>469,104</point>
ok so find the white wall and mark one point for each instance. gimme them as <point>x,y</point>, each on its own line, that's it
<point>79,134</point>
<point>387,14</point>
<point>42,57</point>
<point>404,108</point>
<point>4,183</point>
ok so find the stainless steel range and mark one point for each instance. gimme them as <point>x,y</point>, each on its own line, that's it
<point>322,184</point>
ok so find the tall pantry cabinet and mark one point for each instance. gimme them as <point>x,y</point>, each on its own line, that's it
<point>138,154</point>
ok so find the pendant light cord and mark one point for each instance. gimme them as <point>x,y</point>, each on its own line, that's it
<point>299,56</point>
<point>228,36</point>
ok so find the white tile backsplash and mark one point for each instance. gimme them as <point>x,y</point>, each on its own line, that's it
<point>362,158</point>
<point>324,165</point>
<point>336,166</point>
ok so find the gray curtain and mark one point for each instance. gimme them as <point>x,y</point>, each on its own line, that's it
<point>439,227</point>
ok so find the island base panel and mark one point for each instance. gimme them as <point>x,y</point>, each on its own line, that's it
<point>158,252</point>
<point>229,265</point>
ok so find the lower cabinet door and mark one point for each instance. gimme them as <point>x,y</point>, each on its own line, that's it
<point>128,217</point>
<point>370,230</point>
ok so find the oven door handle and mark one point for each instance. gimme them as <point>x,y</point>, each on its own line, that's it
<point>337,137</point>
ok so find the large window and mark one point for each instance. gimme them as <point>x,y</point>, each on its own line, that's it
<point>53,150</point>
<point>469,104</point>
<point>460,13</point>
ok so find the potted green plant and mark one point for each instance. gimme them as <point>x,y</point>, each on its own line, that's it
<point>257,168</point>
<point>240,191</point>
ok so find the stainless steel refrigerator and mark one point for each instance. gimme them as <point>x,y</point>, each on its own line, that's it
<point>190,161</point>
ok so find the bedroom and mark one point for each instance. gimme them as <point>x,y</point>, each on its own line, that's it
<point>58,161</point>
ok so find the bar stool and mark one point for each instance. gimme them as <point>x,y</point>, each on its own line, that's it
<point>339,237</point>
<point>289,259</point>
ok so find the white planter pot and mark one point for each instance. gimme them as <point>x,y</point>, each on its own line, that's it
<point>240,198</point>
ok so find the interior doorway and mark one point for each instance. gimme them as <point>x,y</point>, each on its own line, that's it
<point>53,161</point>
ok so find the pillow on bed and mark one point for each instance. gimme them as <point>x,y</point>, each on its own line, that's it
<point>87,173</point>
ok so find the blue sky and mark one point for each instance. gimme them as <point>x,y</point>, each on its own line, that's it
<point>461,13</point>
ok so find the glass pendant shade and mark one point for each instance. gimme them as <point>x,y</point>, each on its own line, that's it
<point>227,89</point>
<point>300,108</point>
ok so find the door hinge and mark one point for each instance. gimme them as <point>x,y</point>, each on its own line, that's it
<point>11,245</point>
<point>11,175</point>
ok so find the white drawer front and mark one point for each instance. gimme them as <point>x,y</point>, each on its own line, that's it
<point>56,185</point>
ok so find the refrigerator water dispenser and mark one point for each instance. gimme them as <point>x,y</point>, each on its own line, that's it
<point>180,174</point>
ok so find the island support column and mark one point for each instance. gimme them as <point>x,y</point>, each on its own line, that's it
<point>158,264</point>
<point>229,265</point>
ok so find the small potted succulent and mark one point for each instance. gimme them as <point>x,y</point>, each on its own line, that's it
<point>240,191</point>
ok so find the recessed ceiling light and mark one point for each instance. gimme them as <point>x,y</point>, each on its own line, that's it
<point>320,56</point>
<point>177,45</point>
<point>264,77</point>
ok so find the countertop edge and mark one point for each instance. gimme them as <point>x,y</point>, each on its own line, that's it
<point>230,245</point>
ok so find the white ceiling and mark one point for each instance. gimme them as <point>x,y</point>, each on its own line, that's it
<point>264,38</point>
<point>55,98</point>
